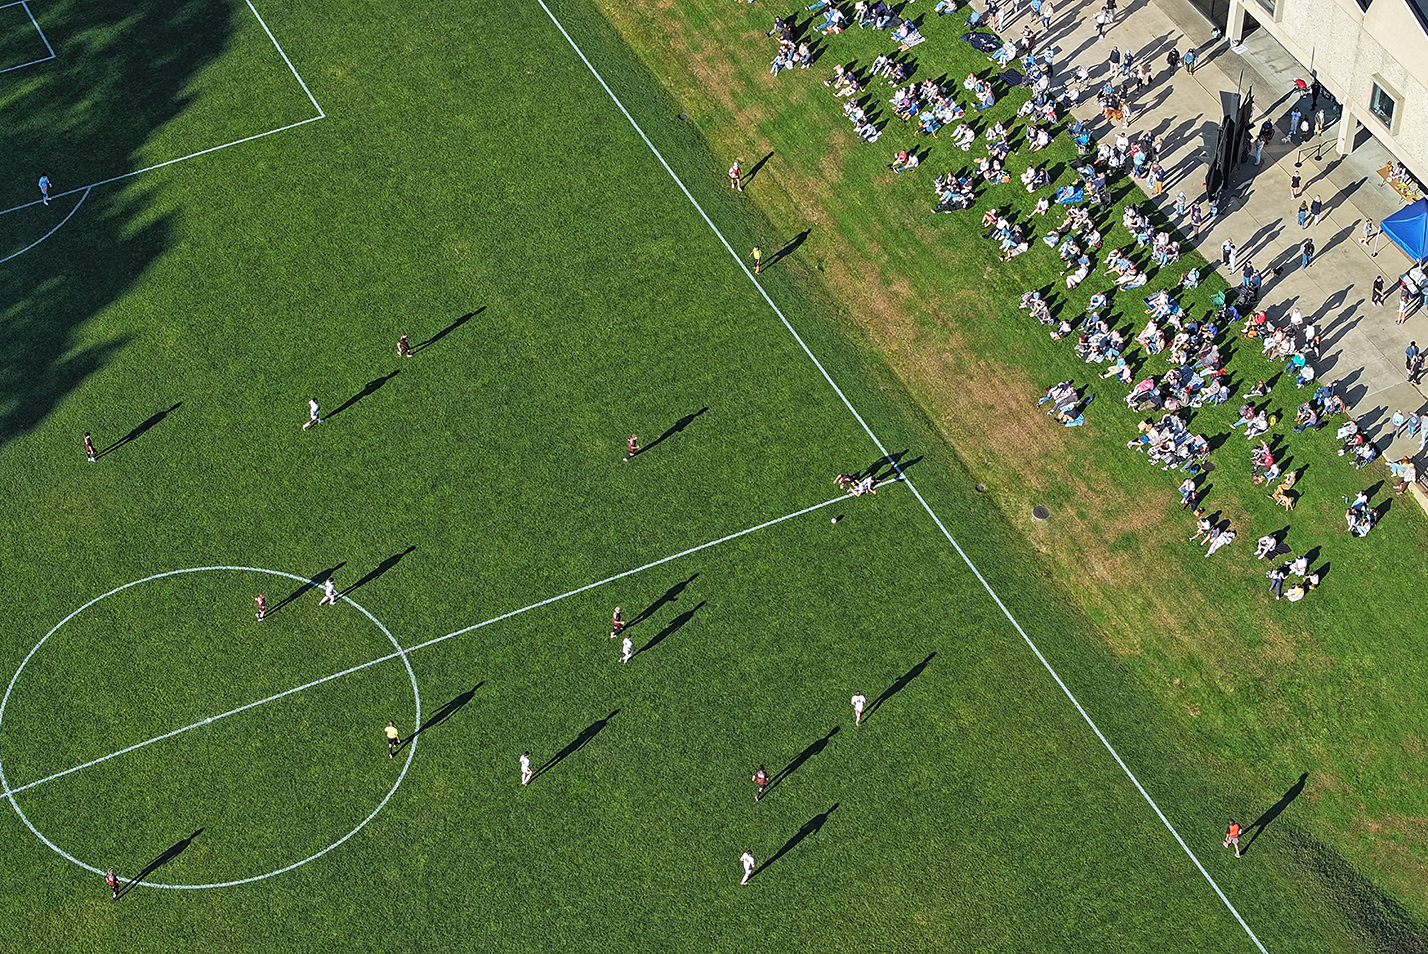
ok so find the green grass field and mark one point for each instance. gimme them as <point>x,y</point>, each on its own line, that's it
<point>474,187</point>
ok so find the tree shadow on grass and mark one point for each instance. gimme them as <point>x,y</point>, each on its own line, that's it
<point>82,117</point>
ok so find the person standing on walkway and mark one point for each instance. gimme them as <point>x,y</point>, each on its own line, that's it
<point>1227,251</point>
<point>1232,836</point>
<point>1314,90</point>
<point>1378,291</point>
<point>1422,431</point>
<point>1295,184</point>
<point>859,701</point>
<point>1306,253</point>
<point>45,187</point>
<point>89,448</point>
<point>1172,60</point>
<point>1409,353</point>
<point>1366,234</point>
<point>1048,10</point>
<point>1233,261</point>
<point>394,739</point>
<point>329,593</point>
<point>1102,20</point>
<point>749,862</point>
<point>736,176</point>
<point>1189,60</point>
<point>1294,115</point>
<point>314,413</point>
<point>1303,218</point>
<point>1316,209</point>
<point>761,779</point>
<point>757,255</point>
<point>1415,371</point>
<point>1403,302</point>
<point>1113,60</point>
<point>526,773</point>
<point>1197,218</point>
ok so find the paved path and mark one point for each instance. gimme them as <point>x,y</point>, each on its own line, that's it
<point>1363,347</point>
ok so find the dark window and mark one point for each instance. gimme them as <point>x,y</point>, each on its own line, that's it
<point>1382,105</point>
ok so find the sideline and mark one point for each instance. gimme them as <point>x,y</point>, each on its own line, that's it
<point>903,477</point>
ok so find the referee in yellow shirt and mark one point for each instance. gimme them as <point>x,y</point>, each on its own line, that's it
<point>394,739</point>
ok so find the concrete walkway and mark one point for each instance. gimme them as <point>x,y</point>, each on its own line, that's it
<point>1363,349</point>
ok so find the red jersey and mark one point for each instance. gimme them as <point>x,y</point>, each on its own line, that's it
<point>634,443</point>
<point>111,879</point>
<point>1233,831</point>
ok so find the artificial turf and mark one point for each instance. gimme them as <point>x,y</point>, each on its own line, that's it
<point>472,187</point>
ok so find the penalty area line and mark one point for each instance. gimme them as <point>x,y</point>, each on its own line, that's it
<point>738,259</point>
<point>8,792</point>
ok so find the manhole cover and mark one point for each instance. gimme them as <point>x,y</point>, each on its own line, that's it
<point>1040,512</point>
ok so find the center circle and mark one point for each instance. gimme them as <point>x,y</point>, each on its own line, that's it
<point>411,744</point>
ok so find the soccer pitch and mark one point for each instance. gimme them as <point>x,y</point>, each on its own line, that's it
<point>475,187</point>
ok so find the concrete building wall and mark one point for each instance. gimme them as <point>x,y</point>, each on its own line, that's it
<point>1349,51</point>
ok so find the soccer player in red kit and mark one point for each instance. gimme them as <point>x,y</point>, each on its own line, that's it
<point>617,622</point>
<point>634,443</point>
<point>761,779</point>
<point>112,879</point>
<point>89,448</point>
<point>262,602</point>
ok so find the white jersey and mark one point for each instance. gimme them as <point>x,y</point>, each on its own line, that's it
<point>748,860</point>
<point>525,764</point>
<point>312,408</point>
<point>859,701</point>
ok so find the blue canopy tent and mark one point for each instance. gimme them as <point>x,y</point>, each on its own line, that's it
<point>1408,229</point>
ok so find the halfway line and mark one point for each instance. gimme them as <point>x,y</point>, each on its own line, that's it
<point>430,642</point>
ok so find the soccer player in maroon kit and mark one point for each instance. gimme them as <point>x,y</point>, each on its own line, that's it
<point>89,448</point>
<point>112,879</point>
<point>634,443</point>
<point>617,623</point>
<point>761,778</point>
<point>262,602</point>
<point>404,347</point>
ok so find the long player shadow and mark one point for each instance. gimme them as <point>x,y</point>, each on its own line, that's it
<point>372,387</point>
<point>670,595</point>
<point>672,627</point>
<point>672,430</point>
<point>138,432</point>
<point>898,686</point>
<point>164,857</point>
<point>447,330</point>
<point>576,744</point>
<point>378,570</point>
<point>813,749</point>
<point>811,827</point>
<point>1258,826</point>
<point>448,710</point>
<point>312,583</point>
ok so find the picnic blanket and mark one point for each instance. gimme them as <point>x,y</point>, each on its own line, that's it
<point>1012,78</point>
<point>1069,194</point>
<point>984,42</point>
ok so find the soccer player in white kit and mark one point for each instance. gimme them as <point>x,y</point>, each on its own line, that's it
<point>526,773</point>
<point>313,417</point>
<point>749,862</point>
<point>329,593</point>
<point>859,700</point>
<point>629,647</point>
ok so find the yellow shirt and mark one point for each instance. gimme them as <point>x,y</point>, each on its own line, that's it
<point>392,732</point>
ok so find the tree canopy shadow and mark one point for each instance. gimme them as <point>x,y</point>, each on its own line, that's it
<point>83,117</point>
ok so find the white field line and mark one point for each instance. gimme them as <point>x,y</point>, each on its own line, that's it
<point>738,259</point>
<point>50,232</point>
<point>390,656</point>
<point>201,152</point>
<point>43,38</point>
